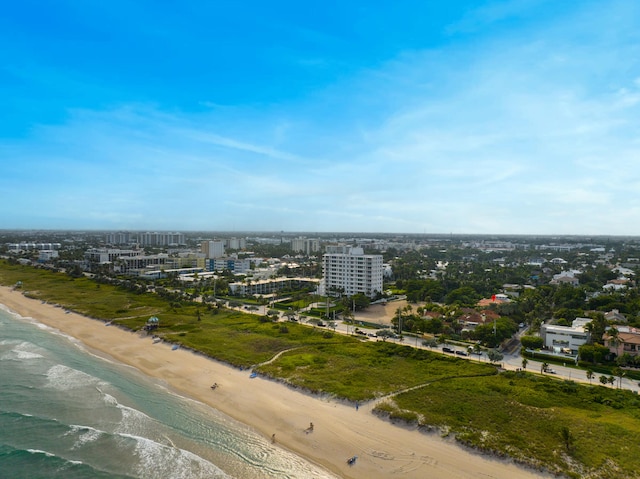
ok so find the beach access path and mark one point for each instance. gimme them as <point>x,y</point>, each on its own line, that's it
<point>340,430</point>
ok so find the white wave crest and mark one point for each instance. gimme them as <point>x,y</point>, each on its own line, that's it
<point>86,434</point>
<point>159,460</point>
<point>38,451</point>
<point>19,355</point>
<point>64,378</point>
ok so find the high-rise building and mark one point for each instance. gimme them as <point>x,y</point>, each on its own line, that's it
<point>350,271</point>
<point>236,243</point>
<point>213,249</point>
<point>161,239</point>
<point>121,237</point>
<point>307,246</point>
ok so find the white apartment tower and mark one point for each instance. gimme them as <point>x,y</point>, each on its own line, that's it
<point>307,246</point>
<point>350,271</point>
<point>213,249</point>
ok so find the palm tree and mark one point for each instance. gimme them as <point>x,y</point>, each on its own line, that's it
<point>544,367</point>
<point>525,361</point>
<point>618,372</point>
<point>614,338</point>
<point>589,375</point>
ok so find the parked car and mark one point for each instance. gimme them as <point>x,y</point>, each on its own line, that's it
<point>462,353</point>
<point>448,350</point>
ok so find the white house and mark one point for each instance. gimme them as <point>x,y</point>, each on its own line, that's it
<point>565,338</point>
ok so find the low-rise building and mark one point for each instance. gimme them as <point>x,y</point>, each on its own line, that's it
<point>269,286</point>
<point>565,339</point>
<point>627,341</point>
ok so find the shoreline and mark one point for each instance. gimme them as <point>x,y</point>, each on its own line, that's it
<point>340,430</point>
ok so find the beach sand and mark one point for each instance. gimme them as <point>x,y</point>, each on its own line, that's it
<point>340,431</point>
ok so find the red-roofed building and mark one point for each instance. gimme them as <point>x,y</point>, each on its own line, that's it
<point>628,341</point>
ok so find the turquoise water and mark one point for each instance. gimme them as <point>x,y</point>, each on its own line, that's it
<point>65,413</point>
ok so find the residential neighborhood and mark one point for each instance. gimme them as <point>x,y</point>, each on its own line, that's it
<point>486,292</point>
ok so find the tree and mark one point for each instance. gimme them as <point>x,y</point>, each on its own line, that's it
<point>620,373</point>
<point>589,375</point>
<point>492,334</point>
<point>593,353</point>
<point>430,343</point>
<point>525,361</point>
<point>531,342</point>
<point>360,301</point>
<point>544,366</point>
<point>604,380</point>
<point>597,327</point>
<point>384,334</point>
<point>494,356</point>
<point>613,337</point>
<point>463,296</point>
<point>347,315</point>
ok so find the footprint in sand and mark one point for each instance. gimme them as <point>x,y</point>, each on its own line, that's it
<point>382,455</point>
<point>429,461</point>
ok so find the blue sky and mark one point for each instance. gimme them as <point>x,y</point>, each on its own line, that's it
<point>500,117</point>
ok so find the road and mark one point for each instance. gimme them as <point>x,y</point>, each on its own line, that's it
<point>511,361</point>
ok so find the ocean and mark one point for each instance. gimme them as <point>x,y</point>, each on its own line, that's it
<point>66,413</point>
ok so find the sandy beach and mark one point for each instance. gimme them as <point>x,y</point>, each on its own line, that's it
<point>340,431</point>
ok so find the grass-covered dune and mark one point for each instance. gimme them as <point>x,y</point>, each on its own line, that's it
<point>364,370</point>
<point>576,430</point>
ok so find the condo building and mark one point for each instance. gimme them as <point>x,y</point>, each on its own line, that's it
<point>348,270</point>
<point>307,246</point>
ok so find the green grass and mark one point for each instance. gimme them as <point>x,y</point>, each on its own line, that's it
<point>364,370</point>
<point>521,415</point>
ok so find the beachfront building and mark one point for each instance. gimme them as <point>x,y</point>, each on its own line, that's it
<point>348,270</point>
<point>270,286</point>
<point>565,339</point>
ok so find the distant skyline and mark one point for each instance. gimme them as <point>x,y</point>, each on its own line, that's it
<point>508,117</point>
